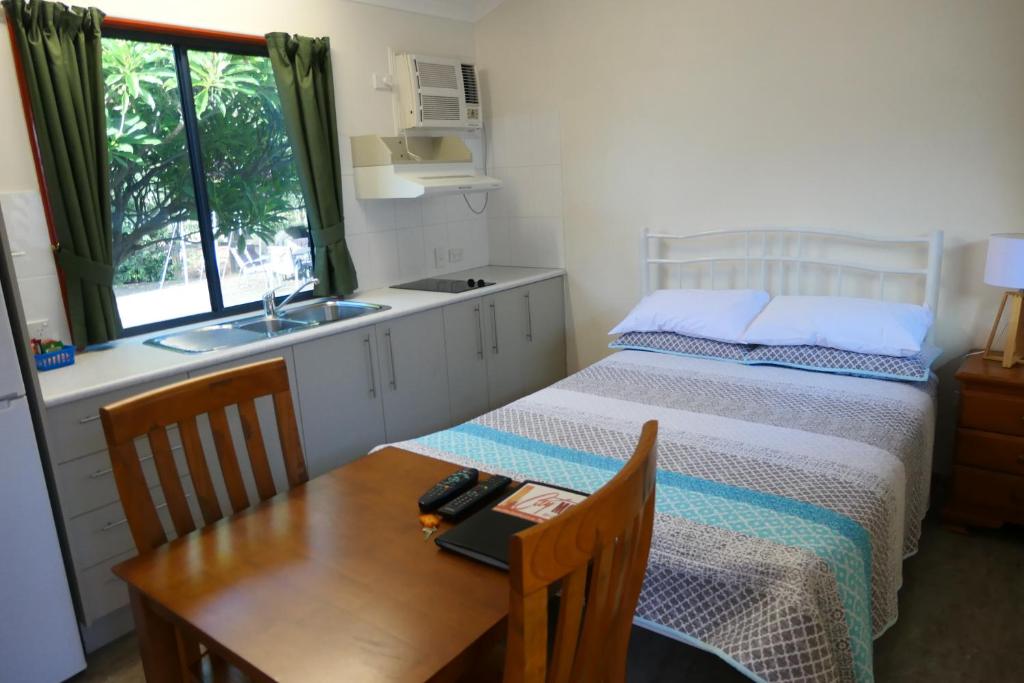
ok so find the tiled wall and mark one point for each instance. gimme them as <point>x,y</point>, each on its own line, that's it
<point>33,264</point>
<point>395,240</point>
<point>524,218</point>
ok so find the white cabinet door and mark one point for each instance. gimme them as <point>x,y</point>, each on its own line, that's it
<point>414,375</point>
<point>467,363</point>
<point>544,350</point>
<point>340,395</point>
<point>506,328</point>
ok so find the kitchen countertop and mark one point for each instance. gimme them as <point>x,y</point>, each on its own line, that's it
<point>129,361</point>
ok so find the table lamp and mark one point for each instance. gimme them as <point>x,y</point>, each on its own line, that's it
<point>1004,267</point>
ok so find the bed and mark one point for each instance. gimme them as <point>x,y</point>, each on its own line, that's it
<point>787,499</point>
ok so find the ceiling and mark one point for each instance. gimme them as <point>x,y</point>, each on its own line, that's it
<point>460,10</point>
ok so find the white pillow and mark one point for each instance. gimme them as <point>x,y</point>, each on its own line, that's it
<point>719,314</point>
<point>846,323</point>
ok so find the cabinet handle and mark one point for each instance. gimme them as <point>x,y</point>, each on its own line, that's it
<point>479,332</point>
<point>494,328</point>
<point>369,364</point>
<point>107,470</point>
<point>124,520</point>
<point>87,420</point>
<point>529,318</point>
<point>391,360</point>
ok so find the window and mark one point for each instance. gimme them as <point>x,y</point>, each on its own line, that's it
<point>206,204</point>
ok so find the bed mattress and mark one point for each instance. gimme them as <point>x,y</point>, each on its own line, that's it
<point>786,499</point>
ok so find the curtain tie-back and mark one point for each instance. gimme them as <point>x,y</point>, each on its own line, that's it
<point>84,269</point>
<point>325,237</point>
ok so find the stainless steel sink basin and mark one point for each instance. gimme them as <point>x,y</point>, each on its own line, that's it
<point>249,330</point>
<point>331,310</point>
<point>270,326</point>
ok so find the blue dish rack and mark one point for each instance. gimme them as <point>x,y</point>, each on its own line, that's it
<point>51,360</point>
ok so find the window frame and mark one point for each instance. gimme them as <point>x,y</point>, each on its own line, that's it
<point>182,40</point>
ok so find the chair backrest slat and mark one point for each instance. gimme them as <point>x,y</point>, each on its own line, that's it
<point>139,510</point>
<point>149,414</point>
<point>288,431</point>
<point>228,459</point>
<point>254,447</point>
<point>567,631</point>
<point>202,482</point>
<point>170,481</point>
<point>603,541</point>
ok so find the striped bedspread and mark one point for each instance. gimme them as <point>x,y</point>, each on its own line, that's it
<point>786,499</point>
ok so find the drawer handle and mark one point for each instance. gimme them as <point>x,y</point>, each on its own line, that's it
<point>107,470</point>
<point>87,420</point>
<point>124,520</point>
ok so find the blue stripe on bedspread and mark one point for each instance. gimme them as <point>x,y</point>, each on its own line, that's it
<point>842,543</point>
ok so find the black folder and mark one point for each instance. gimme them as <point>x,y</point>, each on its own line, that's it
<point>484,536</point>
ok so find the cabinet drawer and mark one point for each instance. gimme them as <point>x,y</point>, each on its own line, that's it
<point>992,413</point>
<point>101,534</point>
<point>100,590</point>
<point>991,451</point>
<point>88,483</point>
<point>74,429</point>
<point>988,489</point>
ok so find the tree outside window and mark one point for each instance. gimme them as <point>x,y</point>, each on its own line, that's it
<point>206,204</point>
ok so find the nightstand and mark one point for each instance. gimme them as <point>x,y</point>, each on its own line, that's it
<point>988,470</point>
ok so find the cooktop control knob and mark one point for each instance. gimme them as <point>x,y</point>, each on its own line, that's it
<point>471,282</point>
<point>480,283</point>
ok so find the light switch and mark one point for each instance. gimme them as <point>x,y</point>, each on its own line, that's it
<point>440,257</point>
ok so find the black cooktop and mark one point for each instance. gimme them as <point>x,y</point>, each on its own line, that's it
<point>438,284</point>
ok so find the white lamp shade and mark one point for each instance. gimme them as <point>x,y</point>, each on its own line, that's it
<point>1004,266</point>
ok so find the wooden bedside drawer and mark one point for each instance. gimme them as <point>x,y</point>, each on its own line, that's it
<point>975,486</point>
<point>991,451</point>
<point>992,412</point>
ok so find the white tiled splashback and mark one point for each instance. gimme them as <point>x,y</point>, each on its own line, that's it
<point>33,263</point>
<point>524,218</point>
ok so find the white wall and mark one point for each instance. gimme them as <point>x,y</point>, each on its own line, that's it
<point>391,240</point>
<point>860,115</point>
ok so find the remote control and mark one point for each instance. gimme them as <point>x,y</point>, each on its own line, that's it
<point>470,499</point>
<point>446,489</point>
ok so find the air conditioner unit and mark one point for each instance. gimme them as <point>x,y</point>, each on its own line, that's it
<point>436,92</point>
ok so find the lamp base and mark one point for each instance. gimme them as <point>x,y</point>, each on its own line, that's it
<point>1013,351</point>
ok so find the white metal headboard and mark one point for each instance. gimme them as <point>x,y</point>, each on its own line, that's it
<point>757,246</point>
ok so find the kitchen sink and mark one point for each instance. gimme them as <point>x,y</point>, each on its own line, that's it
<point>249,330</point>
<point>331,311</point>
<point>270,326</point>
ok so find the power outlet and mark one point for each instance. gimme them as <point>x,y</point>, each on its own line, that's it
<point>454,255</point>
<point>37,328</point>
<point>440,257</point>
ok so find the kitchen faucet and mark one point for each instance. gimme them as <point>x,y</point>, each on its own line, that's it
<point>270,306</point>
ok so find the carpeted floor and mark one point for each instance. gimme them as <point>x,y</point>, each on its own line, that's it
<point>961,619</point>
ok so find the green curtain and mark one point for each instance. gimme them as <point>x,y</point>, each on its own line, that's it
<point>302,70</point>
<point>59,48</point>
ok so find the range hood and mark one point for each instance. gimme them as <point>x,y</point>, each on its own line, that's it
<point>385,168</point>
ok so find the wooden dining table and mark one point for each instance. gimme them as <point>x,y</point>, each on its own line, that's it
<point>331,581</point>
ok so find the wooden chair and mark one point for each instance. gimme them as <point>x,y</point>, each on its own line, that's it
<point>150,414</point>
<point>607,537</point>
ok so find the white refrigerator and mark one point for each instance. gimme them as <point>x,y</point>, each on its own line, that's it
<point>39,639</point>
